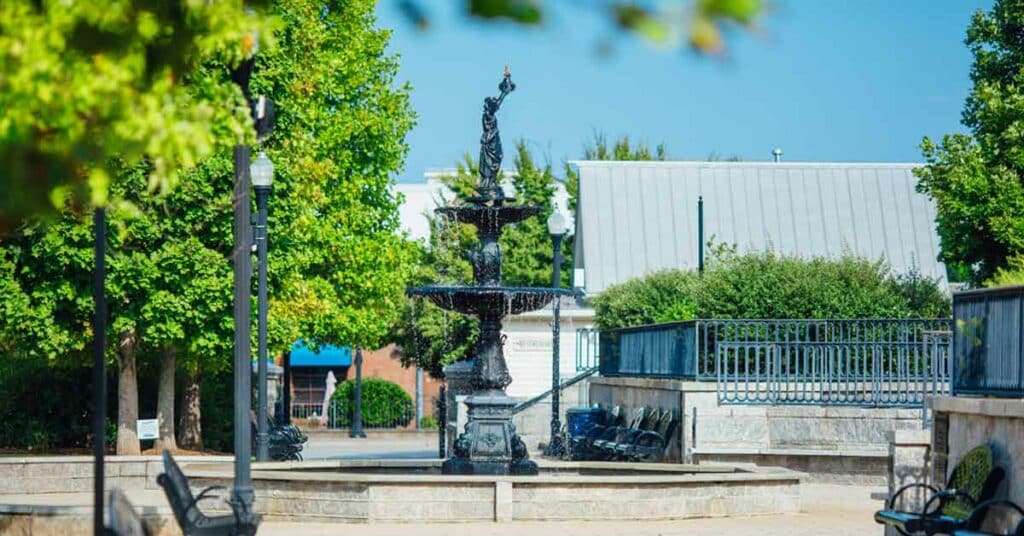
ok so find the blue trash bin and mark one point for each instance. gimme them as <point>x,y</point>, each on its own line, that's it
<point>582,418</point>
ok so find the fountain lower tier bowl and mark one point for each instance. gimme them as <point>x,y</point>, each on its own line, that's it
<point>489,301</point>
<point>489,219</point>
<point>415,491</point>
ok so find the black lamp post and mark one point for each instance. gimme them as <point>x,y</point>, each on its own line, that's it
<point>99,373</point>
<point>557,230</point>
<point>357,411</point>
<point>262,173</point>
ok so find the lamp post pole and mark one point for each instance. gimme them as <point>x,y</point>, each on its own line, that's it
<point>242,492</point>
<point>99,373</point>
<point>357,412</point>
<point>262,432</point>
<point>556,227</point>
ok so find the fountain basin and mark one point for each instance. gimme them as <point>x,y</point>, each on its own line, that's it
<point>414,491</point>
<point>489,219</point>
<point>485,300</point>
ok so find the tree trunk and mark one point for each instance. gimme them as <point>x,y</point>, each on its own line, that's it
<point>165,403</point>
<point>190,433</point>
<point>127,395</point>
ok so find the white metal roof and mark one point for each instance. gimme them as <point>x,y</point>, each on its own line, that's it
<point>639,217</point>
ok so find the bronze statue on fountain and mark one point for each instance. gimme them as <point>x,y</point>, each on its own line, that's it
<point>489,444</point>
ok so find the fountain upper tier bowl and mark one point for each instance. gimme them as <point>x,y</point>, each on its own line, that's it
<point>483,300</point>
<point>489,219</point>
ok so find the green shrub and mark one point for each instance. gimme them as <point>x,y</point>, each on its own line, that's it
<point>385,404</point>
<point>428,422</point>
<point>772,286</point>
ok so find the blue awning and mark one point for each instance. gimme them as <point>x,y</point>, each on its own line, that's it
<point>329,356</point>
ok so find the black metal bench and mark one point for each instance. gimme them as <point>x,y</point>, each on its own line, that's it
<point>990,516</point>
<point>122,520</point>
<point>650,446</point>
<point>580,446</point>
<point>617,450</point>
<point>191,519</point>
<point>974,480</point>
<point>613,435</point>
<point>285,442</point>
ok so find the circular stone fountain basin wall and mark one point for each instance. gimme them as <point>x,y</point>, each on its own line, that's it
<point>361,491</point>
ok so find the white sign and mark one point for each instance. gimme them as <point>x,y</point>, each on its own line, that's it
<point>147,428</point>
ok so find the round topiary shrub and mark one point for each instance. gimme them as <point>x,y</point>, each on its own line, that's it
<point>385,404</point>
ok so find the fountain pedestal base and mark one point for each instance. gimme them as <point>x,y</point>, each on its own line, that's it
<point>490,445</point>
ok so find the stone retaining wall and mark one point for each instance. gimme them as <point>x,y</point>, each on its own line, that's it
<point>831,444</point>
<point>69,474</point>
<point>976,421</point>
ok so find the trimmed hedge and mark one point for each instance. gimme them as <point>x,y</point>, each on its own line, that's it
<point>385,404</point>
<point>772,286</point>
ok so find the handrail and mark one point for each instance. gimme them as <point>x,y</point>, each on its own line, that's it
<point>567,383</point>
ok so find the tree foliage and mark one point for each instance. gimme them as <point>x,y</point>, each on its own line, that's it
<point>83,82</point>
<point>977,179</point>
<point>337,266</point>
<point>702,22</point>
<point>771,286</point>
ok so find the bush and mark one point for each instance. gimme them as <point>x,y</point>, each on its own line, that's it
<point>771,286</point>
<point>385,404</point>
<point>45,408</point>
<point>428,422</point>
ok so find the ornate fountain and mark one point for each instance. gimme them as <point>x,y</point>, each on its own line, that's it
<point>489,445</point>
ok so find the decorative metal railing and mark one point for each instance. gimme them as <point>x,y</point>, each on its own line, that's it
<point>587,349</point>
<point>874,362</point>
<point>893,363</point>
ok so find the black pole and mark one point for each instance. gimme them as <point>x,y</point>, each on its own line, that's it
<point>242,493</point>
<point>262,431</point>
<point>286,391</point>
<point>700,235</point>
<point>442,422</point>
<point>555,447</point>
<point>357,411</point>
<point>99,373</point>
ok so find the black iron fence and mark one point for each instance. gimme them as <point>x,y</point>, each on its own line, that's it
<point>375,417</point>
<point>988,342</point>
<point>832,362</point>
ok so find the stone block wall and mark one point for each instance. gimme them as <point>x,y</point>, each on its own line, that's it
<point>70,474</point>
<point>977,421</point>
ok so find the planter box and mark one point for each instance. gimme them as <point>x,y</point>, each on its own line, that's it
<point>988,342</point>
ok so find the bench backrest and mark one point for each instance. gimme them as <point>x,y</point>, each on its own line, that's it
<point>175,485</point>
<point>651,419</point>
<point>976,474</point>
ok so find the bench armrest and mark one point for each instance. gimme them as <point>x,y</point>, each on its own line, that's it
<point>892,500</point>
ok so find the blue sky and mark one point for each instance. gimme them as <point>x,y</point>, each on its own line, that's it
<point>825,80</point>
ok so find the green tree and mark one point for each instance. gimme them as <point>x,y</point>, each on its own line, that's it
<point>338,268</point>
<point>977,179</point>
<point>85,81</point>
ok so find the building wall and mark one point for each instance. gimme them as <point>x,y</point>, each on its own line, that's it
<point>384,363</point>
<point>528,349</point>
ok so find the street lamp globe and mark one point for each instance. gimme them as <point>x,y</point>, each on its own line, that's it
<point>262,171</point>
<point>556,223</point>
